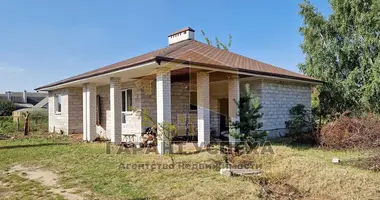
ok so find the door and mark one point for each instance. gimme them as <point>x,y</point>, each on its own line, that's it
<point>126,109</point>
<point>223,113</point>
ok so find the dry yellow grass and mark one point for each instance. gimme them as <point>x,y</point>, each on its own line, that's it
<point>311,172</point>
<point>290,173</point>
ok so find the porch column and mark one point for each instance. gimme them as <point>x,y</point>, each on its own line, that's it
<point>115,110</point>
<point>89,111</point>
<point>163,90</point>
<point>203,108</point>
<point>233,97</point>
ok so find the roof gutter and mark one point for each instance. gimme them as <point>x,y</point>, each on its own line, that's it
<point>72,79</point>
<point>159,59</point>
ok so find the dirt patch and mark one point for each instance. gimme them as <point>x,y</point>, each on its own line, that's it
<point>47,178</point>
<point>277,190</point>
<point>75,137</point>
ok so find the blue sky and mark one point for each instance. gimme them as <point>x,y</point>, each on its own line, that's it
<point>43,41</point>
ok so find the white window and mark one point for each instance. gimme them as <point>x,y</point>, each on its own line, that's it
<point>126,104</point>
<point>127,100</point>
<point>58,103</point>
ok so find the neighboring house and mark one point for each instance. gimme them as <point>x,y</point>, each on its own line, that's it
<point>26,99</point>
<point>186,79</point>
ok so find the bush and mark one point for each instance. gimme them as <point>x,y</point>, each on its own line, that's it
<point>300,126</point>
<point>351,132</point>
<point>6,108</point>
<point>249,125</point>
<point>7,125</point>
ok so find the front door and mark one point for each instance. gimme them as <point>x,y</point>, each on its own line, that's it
<point>223,113</point>
<point>126,108</point>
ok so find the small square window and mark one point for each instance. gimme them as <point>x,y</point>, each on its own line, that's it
<point>58,103</point>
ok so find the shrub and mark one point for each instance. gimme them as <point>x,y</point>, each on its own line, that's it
<point>7,125</point>
<point>6,108</point>
<point>300,126</point>
<point>249,125</point>
<point>351,132</point>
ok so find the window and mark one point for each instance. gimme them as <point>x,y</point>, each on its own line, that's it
<point>98,109</point>
<point>123,104</point>
<point>58,103</point>
<point>127,100</point>
<point>193,100</point>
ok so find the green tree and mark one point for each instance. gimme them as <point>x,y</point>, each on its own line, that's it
<point>6,108</point>
<point>343,50</point>
<point>247,129</point>
<point>300,121</point>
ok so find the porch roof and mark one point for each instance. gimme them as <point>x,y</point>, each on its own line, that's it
<point>196,53</point>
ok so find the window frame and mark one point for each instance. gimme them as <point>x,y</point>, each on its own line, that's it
<point>99,110</point>
<point>127,97</point>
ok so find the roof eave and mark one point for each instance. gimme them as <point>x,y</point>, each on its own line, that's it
<point>91,75</point>
<point>161,58</point>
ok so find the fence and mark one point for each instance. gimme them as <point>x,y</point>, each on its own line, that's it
<point>9,124</point>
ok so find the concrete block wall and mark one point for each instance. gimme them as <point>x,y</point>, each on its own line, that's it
<point>180,101</point>
<point>58,121</point>
<point>148,102</point>
<point>75,109</point>
<point>277,98</point>
<point>181,107</point>
<point>133,119</point>
<point>70,118</point>
<point>254,85</point>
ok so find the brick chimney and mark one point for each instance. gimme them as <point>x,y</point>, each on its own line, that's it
<point>181,35</point>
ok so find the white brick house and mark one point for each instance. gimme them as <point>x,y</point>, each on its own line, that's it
<point>185,80</point>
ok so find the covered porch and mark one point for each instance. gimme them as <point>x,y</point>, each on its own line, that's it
<point>198,101</point>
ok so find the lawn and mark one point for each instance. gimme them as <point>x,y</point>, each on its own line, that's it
<point>291,173</point>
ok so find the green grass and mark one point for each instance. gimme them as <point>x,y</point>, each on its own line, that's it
<point>15,187</point>
<point>38,125</point>
<point>307,172</point>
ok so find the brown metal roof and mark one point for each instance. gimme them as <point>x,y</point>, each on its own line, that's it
<point>197,53</point>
